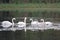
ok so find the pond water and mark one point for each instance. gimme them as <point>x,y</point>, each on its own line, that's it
<point>49,34</point>
<point>30,35</point>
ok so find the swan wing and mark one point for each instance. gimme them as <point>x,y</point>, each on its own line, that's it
<point>34,22</point>
<point>49,24</point>
<point>21,24</point>
<point>6,24</point>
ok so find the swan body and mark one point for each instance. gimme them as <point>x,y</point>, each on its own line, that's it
<point>34,23</point>
<point>6,24</point>
<point>41,24</point>
<point>21,24</point>
<point>49,24</point>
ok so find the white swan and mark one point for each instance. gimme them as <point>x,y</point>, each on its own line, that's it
<point>42,23</point>
<point>48,24</point>
<point>13,24</point>
<point>6,24</point>
<point>34,23</point>
<point>22,24</point>
<point>19,24</point>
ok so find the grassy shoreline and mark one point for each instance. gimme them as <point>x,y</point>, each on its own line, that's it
<point>30,9</point>
<point>31,5</point>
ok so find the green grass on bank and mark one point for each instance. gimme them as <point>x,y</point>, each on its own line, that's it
<point>18,6</point>
<point>31,7</point>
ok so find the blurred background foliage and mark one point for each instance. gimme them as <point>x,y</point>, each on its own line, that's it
<point>29,1</point>
<point>8,15</point>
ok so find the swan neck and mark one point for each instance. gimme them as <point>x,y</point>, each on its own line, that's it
<point>12,23</point>
<point>25,22</point>
<point>25,19</point>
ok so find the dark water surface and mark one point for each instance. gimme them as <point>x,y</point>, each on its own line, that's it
<point>30,35</point>
<point>10,35</point>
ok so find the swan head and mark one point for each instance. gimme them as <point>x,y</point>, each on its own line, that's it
<point>31,19</point>
<point>25,18</point>
<point>13,18</point>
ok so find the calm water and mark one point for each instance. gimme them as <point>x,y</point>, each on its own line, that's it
<point>30,35</point>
